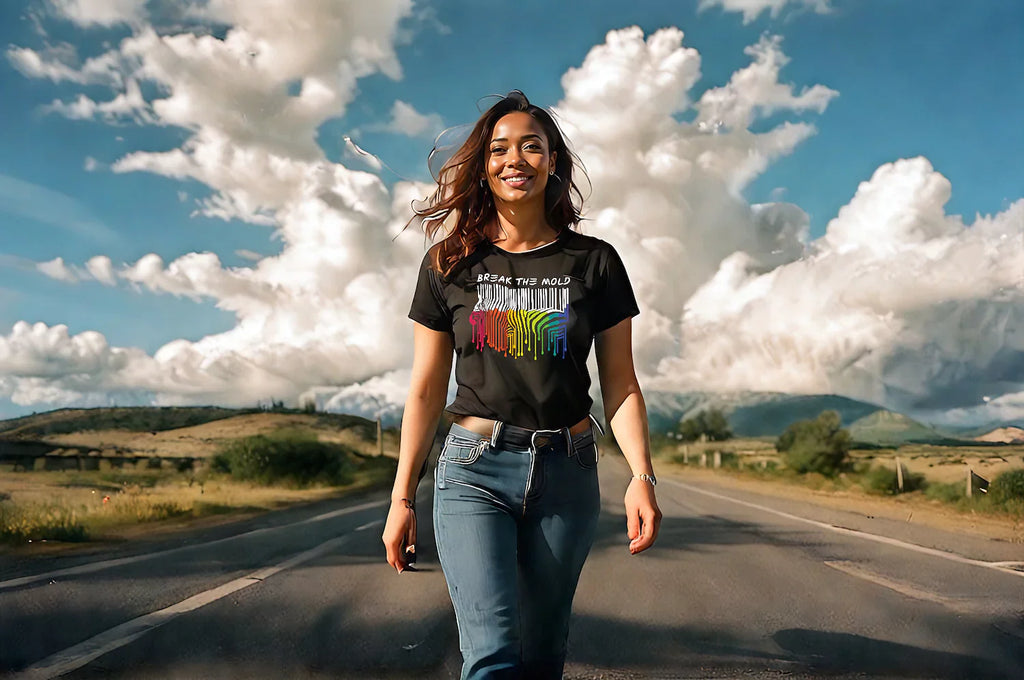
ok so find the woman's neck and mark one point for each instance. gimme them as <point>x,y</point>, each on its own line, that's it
<point>520,227</point>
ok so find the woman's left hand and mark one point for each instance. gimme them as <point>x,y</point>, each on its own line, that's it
<point>643,517</point>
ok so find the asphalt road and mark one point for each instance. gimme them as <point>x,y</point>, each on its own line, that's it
<point>738,585</point>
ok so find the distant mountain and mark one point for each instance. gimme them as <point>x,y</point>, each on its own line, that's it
<point>892,429</point>
<point>1003,435</point>
<point>750,414</point>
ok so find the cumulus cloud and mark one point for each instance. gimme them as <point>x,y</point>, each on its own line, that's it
<point>756,90</point>
<point>751,9</point>
<point>406,120</point>
<point>60,63</point>
<point>128,105</point>
<point>99,12</point>
<point>56,269</point>
<point>885,306</point>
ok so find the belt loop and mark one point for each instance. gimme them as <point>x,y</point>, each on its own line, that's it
<point>570,445</point>
<point>496,433</point>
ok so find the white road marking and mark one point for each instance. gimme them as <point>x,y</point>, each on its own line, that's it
<point>368,525</point>
<point>953,557</point>
<point>902,587</point>
<point>85,652</point>
<point>93,567</point>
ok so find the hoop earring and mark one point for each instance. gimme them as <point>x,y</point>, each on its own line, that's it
<point>483,182</point>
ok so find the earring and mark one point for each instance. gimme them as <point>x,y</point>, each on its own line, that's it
<point>483,182</point>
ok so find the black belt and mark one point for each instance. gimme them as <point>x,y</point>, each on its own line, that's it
<point>514,435</point>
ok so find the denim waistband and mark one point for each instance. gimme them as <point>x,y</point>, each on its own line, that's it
<point>572,442</point>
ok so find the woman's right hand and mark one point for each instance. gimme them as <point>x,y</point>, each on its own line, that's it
<point>400,533</point>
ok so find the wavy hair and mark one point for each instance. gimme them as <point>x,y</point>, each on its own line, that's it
<point>466,206</point>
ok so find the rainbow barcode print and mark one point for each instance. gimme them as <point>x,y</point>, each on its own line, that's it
<point>521,321</point>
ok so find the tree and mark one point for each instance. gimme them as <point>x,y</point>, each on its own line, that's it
<point>711,423</point>
<point>819,445</point>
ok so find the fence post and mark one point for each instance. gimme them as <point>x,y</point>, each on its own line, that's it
<point>718,459</point>
<point>970,487</point>
<point>686,454</point>
<point>380,439</point>
<point>704,459</point>
<point>899,474</point>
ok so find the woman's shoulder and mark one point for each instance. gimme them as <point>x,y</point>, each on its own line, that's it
<point>589,245</point>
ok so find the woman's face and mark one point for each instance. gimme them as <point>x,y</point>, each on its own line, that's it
<point>518,158</point>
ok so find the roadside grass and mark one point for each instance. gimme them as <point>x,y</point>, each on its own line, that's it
<point>75,507</point>
<point>873,472</point>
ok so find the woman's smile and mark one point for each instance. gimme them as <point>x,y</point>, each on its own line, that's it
<point>518,158</point>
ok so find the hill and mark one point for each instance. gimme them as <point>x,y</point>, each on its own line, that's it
<point>888,428</point>
<point>1003,435</point>
<point>176,431</point>
<point>750,414</point>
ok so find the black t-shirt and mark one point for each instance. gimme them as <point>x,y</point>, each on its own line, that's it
<point>523,325</point>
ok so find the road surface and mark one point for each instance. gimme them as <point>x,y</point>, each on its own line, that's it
<point>738,585</point>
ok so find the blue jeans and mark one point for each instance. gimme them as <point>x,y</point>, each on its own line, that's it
<point>513,527</point>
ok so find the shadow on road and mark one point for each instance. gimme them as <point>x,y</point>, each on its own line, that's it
<point>696,534</point>
<point>598,642</point>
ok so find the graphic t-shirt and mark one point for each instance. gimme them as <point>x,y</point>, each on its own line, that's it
<point>523,325</point>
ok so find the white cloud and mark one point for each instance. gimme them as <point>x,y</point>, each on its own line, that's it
<point>99,12</point>
<point>406,120</point>
<point>128,105</point>
<point>752,9</point>
<point>59,63</point>
<point>887,305</point>
<point>756,90</point>
<point>56,269</point>
<point>101,269</point>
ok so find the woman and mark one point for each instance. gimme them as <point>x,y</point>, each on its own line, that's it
<point>519,297</point>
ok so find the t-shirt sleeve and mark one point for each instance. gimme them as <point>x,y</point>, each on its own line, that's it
<point>428,301</point>
<point>614,294</point>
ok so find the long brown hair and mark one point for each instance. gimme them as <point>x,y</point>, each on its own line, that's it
<point>461,196</point>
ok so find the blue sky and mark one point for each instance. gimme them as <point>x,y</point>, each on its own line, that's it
<point>936,79</point>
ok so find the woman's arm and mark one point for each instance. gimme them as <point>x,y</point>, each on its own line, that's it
<point>627,416</point>
<point>428,388</point>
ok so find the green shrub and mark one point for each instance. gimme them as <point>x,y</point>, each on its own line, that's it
<point>291,457</point>
<point>947,493</point>
<point>884,480</point>
<point>818,445</point>
<point>711,423</point>
<point>1007,490</point>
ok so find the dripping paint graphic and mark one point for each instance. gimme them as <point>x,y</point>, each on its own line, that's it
<point>521,321</point>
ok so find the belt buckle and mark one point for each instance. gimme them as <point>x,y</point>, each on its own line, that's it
<point>546,439</point>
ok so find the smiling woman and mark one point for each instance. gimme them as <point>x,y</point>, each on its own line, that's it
<point>516,495</point>
<point>518,153</point>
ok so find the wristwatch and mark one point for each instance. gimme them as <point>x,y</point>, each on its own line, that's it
<point>647,478</point>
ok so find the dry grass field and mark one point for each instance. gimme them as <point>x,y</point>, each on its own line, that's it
<point>747,459</point>
<point>111,503</point>
<point>202,441</point>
